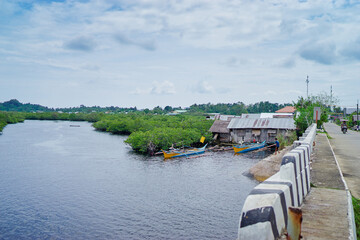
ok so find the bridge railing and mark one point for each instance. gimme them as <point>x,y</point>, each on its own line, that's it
<point>265,211</point>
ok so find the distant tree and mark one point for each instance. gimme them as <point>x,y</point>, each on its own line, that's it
<point>168,109</point>
<point>305,107</point>
<point>157,110</point>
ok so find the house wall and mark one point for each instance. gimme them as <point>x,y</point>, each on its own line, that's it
<point>224,137</point>
<point>260,135</point>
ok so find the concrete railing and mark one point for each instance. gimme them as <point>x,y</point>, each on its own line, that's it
<point>265,211</point>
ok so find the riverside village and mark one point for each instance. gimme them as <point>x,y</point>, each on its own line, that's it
<point>306,179</point>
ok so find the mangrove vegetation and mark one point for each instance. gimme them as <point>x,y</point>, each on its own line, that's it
<point>150,133</point>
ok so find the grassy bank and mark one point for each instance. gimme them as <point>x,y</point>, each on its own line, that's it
<point>356,205</point>
<point>325,132</point>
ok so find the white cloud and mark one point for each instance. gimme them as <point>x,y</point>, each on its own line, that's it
<point>164,87</point>
<point>158,88</point>
<point>237,43</point>
<point>202,87</point>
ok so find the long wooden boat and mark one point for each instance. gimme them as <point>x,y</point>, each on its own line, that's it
<point>192,151</point>
<point>249,147</point>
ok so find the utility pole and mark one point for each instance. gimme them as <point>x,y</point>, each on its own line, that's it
<point>307,86</point>
<point>357,115</point>
<point>331,98</point>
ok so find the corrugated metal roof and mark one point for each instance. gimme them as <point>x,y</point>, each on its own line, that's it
<point>261,123</point>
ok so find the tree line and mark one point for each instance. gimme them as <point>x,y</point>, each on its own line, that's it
<point>195,109</point>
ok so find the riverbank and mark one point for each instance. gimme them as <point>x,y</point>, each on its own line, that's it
<point>10,118</point>
<point>268,166</point>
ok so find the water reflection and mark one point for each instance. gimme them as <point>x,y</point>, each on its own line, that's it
<point>62,182</point>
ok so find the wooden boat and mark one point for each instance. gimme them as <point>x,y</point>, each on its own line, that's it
<point>249,147</point>
<point>188,152</point>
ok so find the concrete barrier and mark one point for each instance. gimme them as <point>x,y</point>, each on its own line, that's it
<point>265,211</point>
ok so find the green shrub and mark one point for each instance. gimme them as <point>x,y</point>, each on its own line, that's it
<point>356,205</point>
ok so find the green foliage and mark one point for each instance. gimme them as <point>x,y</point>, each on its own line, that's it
<point>305,108</point>
<point>15,106</point>
<point>91,117</point>
<point>157,131</point>
<point>356,205</point>
<point>263,107</point>
<point>10,118</point>
<point>236,108</point>
<point>163,138</point>
<point>286,140</point>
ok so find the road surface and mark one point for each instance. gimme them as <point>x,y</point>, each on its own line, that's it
<point>347,152</point>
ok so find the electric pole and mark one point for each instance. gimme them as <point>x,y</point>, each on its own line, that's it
<point>331,98</point>
<point>357,115</point>
<point>307,86</point>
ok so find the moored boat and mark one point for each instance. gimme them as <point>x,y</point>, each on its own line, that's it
<point>249,147</point>
<point>176,153</point>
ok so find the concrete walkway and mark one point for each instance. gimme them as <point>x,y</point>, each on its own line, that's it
<point>347,151</point>
<point>325,208</point>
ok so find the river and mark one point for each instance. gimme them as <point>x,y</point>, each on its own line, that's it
<point>63,182</point>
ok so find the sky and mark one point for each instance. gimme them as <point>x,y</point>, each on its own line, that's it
<point>149,53</point>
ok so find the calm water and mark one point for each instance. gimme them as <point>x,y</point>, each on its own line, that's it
<point>62,182</point>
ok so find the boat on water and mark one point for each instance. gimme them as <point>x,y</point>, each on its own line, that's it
<point>188,152</point>
<point>248,147</point>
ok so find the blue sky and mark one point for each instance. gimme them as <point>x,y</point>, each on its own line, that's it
<point>149,53</point>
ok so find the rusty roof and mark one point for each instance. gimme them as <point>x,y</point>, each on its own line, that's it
<point>220,127</point>
<point>287,109</point>
<point>262,123</point>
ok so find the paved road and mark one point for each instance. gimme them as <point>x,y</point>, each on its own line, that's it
<point>347,151</point>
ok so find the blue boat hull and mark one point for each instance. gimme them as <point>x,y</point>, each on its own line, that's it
<point>254,147</point>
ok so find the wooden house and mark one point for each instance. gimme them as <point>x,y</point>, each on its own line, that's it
<point>220,131</point>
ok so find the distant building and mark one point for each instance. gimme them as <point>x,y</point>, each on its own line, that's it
<point>266,115</point>
<point>220,131</point>
<point>356,118</point>
<point>287,109</point>
<point>224,117</point>
<point>176,112</point>
<point>260,129</point>
<point>349,110</point>
<point>250,115</point>
<point>180,111</point>
<point>212,116</point>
